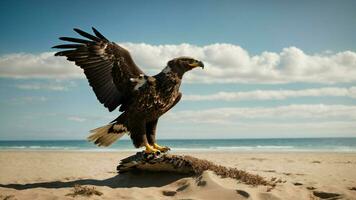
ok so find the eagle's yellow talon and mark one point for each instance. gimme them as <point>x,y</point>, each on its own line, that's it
<point>162,149</point>
<point>149,149</point>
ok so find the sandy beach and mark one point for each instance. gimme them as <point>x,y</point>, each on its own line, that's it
<point>53,174</point>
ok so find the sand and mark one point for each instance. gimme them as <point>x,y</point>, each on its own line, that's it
<point>52,175</point>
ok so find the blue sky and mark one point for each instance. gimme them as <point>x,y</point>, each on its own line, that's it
<point>274,68</point>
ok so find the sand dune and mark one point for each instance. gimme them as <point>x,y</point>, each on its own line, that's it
<point>52,175</point>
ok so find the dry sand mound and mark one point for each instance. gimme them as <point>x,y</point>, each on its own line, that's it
<point>206,186</point>
<point>209,185</point>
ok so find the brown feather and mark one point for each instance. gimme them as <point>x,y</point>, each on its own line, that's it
<point>87,35</point>
<point>69,39</point>
<point>99,35</point>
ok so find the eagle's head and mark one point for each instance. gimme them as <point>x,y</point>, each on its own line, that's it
<point>183,64</point>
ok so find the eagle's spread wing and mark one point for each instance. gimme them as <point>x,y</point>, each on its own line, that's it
<point>107,66</point>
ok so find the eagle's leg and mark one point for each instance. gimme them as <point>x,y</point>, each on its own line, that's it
<point>151,136</point>
<point>138,135</point>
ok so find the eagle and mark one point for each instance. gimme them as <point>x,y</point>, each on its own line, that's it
<point>119,83</point>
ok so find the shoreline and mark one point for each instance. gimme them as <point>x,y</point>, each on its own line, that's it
<point>180,151</point>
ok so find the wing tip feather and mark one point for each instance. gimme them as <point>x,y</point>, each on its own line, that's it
<point>99,35</point>
<point>87,35</point>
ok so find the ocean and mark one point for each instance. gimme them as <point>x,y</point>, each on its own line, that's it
<point>260,145</point>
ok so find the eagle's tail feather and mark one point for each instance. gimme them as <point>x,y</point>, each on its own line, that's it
<point>106,135</point>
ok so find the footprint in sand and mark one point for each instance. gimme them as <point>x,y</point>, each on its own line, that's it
<point>243,193</point>
<point>311,188</point>
<point>270,170</point>
<point>201,183</point>
<point>169,193</point>
<point>183,187</point>
<point>7,197</point>
<point>327,195</point>
<point>352,188</point>
<point>258,159</point>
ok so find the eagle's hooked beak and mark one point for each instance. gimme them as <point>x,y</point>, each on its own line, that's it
<point>197,64</point>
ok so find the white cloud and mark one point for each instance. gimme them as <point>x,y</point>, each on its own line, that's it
<point>44,65</point>
<point>28,99</point>
<point>54,86</point>
<point>301,113</point>
<point>38,86</point>
<point>250,122</point>
<point>76,119</point>
<point>274,94</point>
<point>275,129</point>
<point>225,63</point>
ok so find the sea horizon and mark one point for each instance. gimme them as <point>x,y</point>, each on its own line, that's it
<point>315,144</point>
